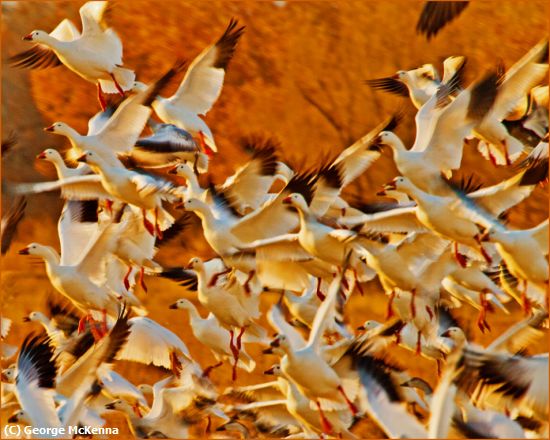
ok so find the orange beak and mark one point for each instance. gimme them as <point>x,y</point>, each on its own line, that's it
<point>24,251</point>
<point>82,159</point>
<point>287,200</point>
<point>41,155</point>
<point>50,128</point>
<point>27,37</point>
<point>173,170</point>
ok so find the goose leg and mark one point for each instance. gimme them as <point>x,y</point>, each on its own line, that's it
<point>526,302</point>
<point>418,342</point>
<point>209,369</point>
<point>326,426</point>
<point>247,282</point>
<point>320,294</point>
<point>142,279</point>
<point>232,346</point>
<point>157,227</point>
<point>413,303</point>
<point>389,310</point>
<point>487,257</point>
<point>461,259</point>
<point>351,406</point>
<point>215,277</point>
<point>209,152</point>
<point>148,225</point>
<point>438,362</point>
<point>239,337</point>
<point>126,280</point>
<point>505,149</point>
<point>109,206</point>
<point>481,319</point>
<point>104,327</point>
<point>117,85</point>
<point>100,97</point>
<point>175,364</point>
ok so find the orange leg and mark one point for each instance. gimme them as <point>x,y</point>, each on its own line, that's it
<point>148,225</point>
<point>239,337</point>
<point>326,426</point>
<point>247,282</point>
<point>215,277</point>
<point>209,369</point>
<point>104,327</point>
<point>481,319</point>
<point>209,152</point>
<point>320,294</point>
<point>351,406</point>
<point>418,342</point>
<point>413,304</point>
<point>142,279</point>
<point>157,227</point>
<point>117,85</point>
<point>357,282</point>
<point>526,302</point>
<point>126,278</point>
<point>461,259</point>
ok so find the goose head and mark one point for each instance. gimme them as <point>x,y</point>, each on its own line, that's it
<point>389,139</point>
<point>120,405</point>
<point>60,128</point>
<point>89,157</point>
<point>275,370</point>
<point>280,344</point>
<point>34,249</point>
<point>35,317</point>
<point>297,200</point>
<point>50,155</point>
<point>8,374</point>
<point>401,184</point>
<point>38,36</point>
<point>145,388</point>
<point>20,416</point>
<point>193,204</point>
<point>195,264</point>
<point>138,86</point>
<point>368,325</point>
<point>456,335</point>
<point>182,170</point>
<point>182,304</point>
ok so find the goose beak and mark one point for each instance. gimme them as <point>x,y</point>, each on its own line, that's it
<point>482,237</point>
<point>50,128</point>
<point>13,419</point>
<point>82,159</point>
<point>179,205</point>
<point>390,186</point>
<point>445,334</point>
<point>26,319</point>
<point>3,377</point>
<point>24,251</point>
<point>287,200</point>
<point>173,306</point>
<point>110,405</point>
<point>270,371</point>
<point>41,155</point>
<point>361,328</point>
<point>268,351</point>
<point>382,192</point>
<point>173,170</point>
<point>27,37</point>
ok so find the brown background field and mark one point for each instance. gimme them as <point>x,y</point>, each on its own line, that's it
<point>297,76</point>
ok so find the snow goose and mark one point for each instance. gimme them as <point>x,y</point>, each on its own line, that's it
<point>433,212</point>
<point>440,130</point>
<point>10,221</point>
<point>36,378</point>
<point>63,171</point>
<point>436,15</point>
<point>227,303</point>
<point>121,131</point>
<point>521,382</point>
<point>209,333</point>
<point>420,83</point>
<point>305,365</point>
<point>80,280</point>
<point>524,252</point>
<point>299,406</point>
<point>515,85</point>
<point>95,54</point>
<point>200,89</point>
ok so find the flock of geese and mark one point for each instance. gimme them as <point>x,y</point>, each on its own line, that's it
<point>439,245</point>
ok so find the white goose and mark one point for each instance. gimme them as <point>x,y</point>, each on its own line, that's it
<point>121,131</point>
<point>440,132</point>
<point>95,54</point>
<point>200,89</point>
<point>63,171</point>
<point>209,333</point>
<point>230,307</point>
